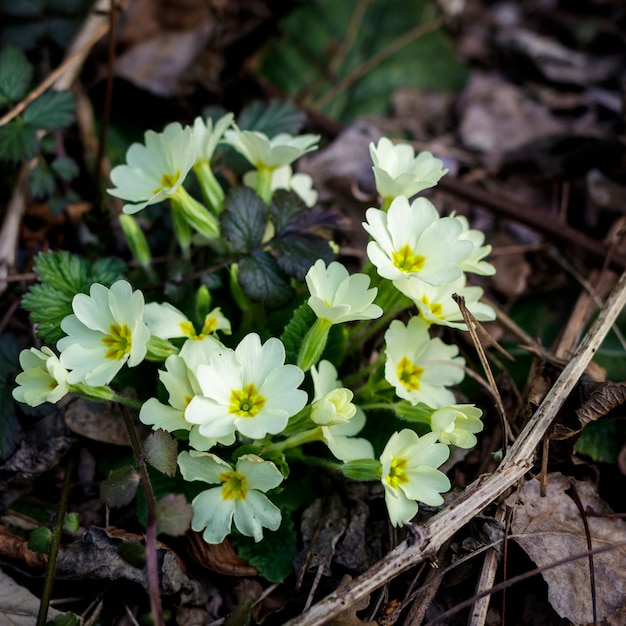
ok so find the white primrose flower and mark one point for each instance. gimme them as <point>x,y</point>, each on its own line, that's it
<point>456,424</point>
<point>270,154</point>
<point>154,171</point>
<point>43,378</point>
<point>239,498</point>
<point>411,240</point>
<point>181,384</point>
<point>474,263</point>
<point>167,322</point>
<point>206,135</point>
<point>249,390</point>
<point>398,172</point>
<point>436,305</point>
<point>420,367</point>
<point>105,332</point>
<point>284,178</point>
<point>409,473</point>
<point>339,419</point>
<point>339,297</point>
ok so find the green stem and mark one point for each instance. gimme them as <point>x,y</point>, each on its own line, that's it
<point>212,191</point>
<point>152,568</point>
<point>297,440</point>
<point>264,184</point>
<point>56,541</point>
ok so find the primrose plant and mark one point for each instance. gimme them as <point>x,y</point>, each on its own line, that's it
<point>245,405</point>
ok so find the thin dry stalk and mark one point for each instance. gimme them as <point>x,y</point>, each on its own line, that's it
<point>426,539</point>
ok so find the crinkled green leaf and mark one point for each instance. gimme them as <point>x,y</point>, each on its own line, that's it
<point>15,75</point>
<point>120,487</point>
<point>39,540</point>
<point>243,219</point>
<point>262,281</point>
<point>67,619</point>
<point>71,523</point>
<point>303,318</point>
<point>273,556</point>
<point>297,61</point>
<point>41,181</point>
<point>53,110</point>
<point>161,451</point>
<point>18,140</point>
<point>285,208</point>
<point>173,514</point>
<point>65,168</point>
<point>601,440</point>
<point>295,255</point>
<point>271,118</point>
<point>10,429</point>
<point>62,276</point>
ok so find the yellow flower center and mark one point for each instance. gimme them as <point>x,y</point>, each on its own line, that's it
<point>246,402</point>
<point>119,342</point>
<point>210,326</point>
<point>235,486</point>
<point>409,374</point>
<point>435,308</point>
<point>167,181</point>
<point>397,473</point>
<point>407,261</point>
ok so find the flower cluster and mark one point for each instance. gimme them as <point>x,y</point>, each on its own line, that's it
<point>233,395</point>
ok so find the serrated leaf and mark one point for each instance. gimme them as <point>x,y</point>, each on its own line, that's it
<point>65,168</point>
<point>285,207</point>
<point>274,555</point>
<point>271,118</point>
<point>15,75</point>
<point>173,515</point>
<point>10,429</point>
<point>243,219</point>
<point>18,140</point>
<point>39,540</point>
<point>295,255</point>
<point>120,487</point>
<point>262,281</point>
<point>62,276</point>
<point>53,110</point>
<point>161,451</point>
<point>41,181</point>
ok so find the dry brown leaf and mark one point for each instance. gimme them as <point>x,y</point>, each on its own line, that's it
<point>349,616</point>
<point>602,398</point>
<point>550,529</point>
<point>220,558</point>
<point>14,546</point>
<point>100,421</point>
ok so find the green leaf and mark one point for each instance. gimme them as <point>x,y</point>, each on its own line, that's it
<point>62,276</point>
<point>271,118</point>
<point>10,429</point>
<point>262,281</point>
<point>15,75</point>
<point>161,451</point>
<point>413,413</point>
<point>173,514</point>
<point>274,555</point>
<point>53,110</point>
<point>133,552</point>
<point>18,140</point>
<point>120,487</point>
<point>295,255</point>
<point>71,523</point>
<point>301,61</point>
<point>67,619</point>
<point>601,440</point>
<point>39,540</point>
<point>243,219</point>
<point>65,168</point>
<point>41,181</point>
<point>285,207</point>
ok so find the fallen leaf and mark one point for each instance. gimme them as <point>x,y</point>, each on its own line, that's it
<point>18,606</point>
<point>99,421</point>
<point>550,529</point>
<point>220,558</point>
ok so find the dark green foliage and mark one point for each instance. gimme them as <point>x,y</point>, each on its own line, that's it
<point>41,181</point>
<point>243,219</point>
<point>10,430</point>
<point>62,275</point>
<point>120,487</point>
<point>262,280</point>
<point>271,118</point>
<point>602,440</point>
<point>18,140</point>
<point>53,110</point>
<point>15,76</point>
<point>39,540</point>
